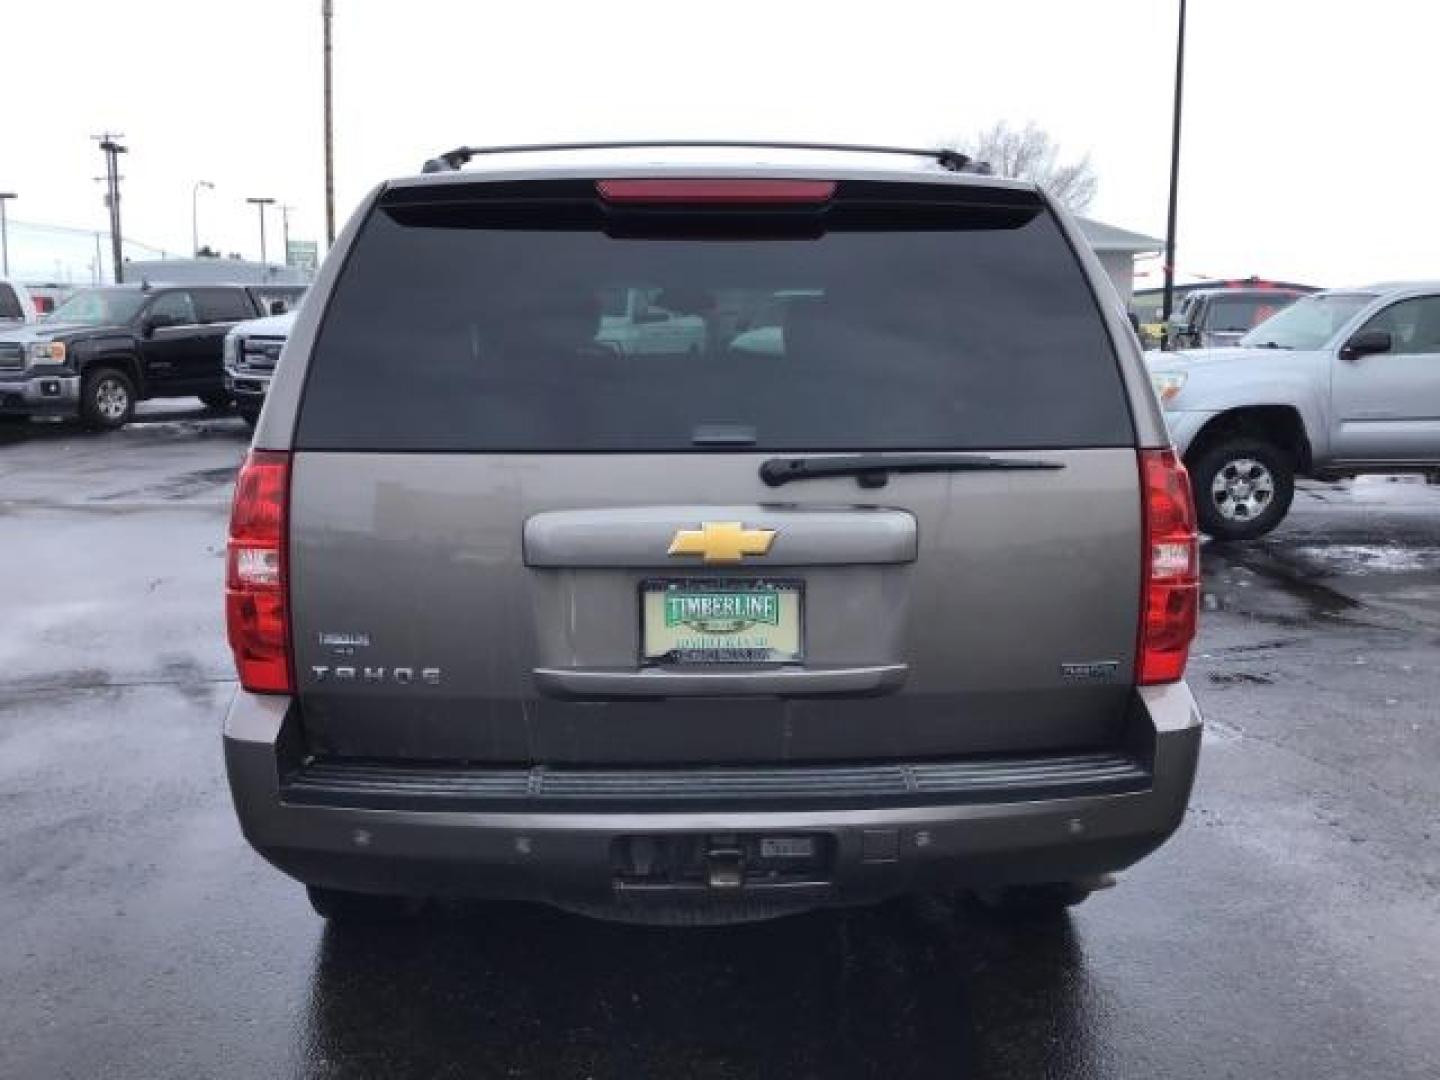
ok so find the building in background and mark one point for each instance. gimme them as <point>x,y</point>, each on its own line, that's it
<point>1118,249</point>
<point>213,272</point>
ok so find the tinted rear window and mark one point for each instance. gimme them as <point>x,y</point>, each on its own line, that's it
<point>465,331</point>
<point>1245,312</point>
<point>223,305</point>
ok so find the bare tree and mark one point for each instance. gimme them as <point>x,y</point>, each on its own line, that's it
<point>1029,153</point>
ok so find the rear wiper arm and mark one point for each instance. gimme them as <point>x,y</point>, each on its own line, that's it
<point>873,470</point>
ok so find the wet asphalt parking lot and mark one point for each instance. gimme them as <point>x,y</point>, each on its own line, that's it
<point>1291,929</point>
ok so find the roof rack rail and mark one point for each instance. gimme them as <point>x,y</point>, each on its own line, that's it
<point>947,158</point>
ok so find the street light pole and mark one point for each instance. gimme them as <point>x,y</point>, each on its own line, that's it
<point>260,205</point>
<point>285,230</point>
<point>5,197</point>
<point>195,214</point>
<point>327,11</point>
<point>1168,303</point>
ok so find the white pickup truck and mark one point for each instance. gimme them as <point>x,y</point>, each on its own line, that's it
<point>636,322</point>
<point>16,306</point>
<point>1340,383</point>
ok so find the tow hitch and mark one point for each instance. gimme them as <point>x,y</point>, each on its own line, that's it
<point>720,861</point>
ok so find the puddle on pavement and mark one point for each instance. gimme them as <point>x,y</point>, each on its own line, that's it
<point>1235,678</point>
<point>1257,580</point>
<point>176,488</point>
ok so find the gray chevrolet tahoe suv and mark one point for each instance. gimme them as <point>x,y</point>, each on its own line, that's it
<point>900,604</point>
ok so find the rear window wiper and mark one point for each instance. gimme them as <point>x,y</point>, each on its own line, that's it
<point>873,470</point>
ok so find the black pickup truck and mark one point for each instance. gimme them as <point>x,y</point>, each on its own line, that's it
<point>104,349</point>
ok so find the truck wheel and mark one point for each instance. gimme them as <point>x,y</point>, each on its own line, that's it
<point>217,399</point>
<point>1243,488</point>
<point>107,399</point>
<point>341,906</point>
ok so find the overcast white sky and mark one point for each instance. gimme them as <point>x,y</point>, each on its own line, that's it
<point>1310,149</point>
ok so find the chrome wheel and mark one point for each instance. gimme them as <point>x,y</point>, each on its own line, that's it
<point>1242,490</point>
<point>112,399</point>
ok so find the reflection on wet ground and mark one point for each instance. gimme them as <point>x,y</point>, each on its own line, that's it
<point>910,988</point>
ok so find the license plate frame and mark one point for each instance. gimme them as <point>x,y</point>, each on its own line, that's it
<point>789,592</point>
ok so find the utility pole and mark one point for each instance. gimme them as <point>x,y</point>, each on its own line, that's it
<point>5,197</point>
<point>260,205</point>
<point>285,229</point>
<point>1169,299</point>
<point>195,214</point>
<point>327,10</point>
<point>112,151</point>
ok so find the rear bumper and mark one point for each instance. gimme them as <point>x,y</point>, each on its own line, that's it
<point>568,856</point>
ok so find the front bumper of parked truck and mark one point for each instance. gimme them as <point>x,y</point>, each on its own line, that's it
<point>39,395</point>
<point>778,836</point>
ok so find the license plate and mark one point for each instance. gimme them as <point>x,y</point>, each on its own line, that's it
<point>711,621</point>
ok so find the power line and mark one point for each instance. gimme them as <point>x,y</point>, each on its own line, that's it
<point>72,230</point>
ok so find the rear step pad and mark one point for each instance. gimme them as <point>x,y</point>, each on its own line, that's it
<point>420,786</point>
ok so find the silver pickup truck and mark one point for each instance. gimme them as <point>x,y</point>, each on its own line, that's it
<point>252,350</point>
<point>1340,383</point>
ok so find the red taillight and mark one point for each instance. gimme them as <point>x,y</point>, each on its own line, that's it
<point>691,192</point>
<point>256,603</point>
<point>1171,597</point>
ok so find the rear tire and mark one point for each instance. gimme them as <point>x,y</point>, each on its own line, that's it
<point>1243,488</point>
<point>107,399</point>
<point>342,907</point>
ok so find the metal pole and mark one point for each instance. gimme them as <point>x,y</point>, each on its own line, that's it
<point>1168,302</point>
<point>260,204</point>
<point>326,12</point>
<point>285,230</point>
<point>5,197</point>
<point>116,236</point>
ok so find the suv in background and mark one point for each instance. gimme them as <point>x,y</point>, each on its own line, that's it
<point>1210,318</point>
<point>1340,383</point>
<point>104,349</point>
<point>899,601</point>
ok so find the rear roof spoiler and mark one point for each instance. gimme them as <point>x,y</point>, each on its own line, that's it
<point>946,158</point>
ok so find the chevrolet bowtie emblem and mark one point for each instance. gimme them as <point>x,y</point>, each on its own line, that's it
<point>722,542</point>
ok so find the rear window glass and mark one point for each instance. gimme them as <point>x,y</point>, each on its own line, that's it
<point>1245,312</point>
<point>277,299</point>
<point>222,305</point>
<point>446,332</point>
